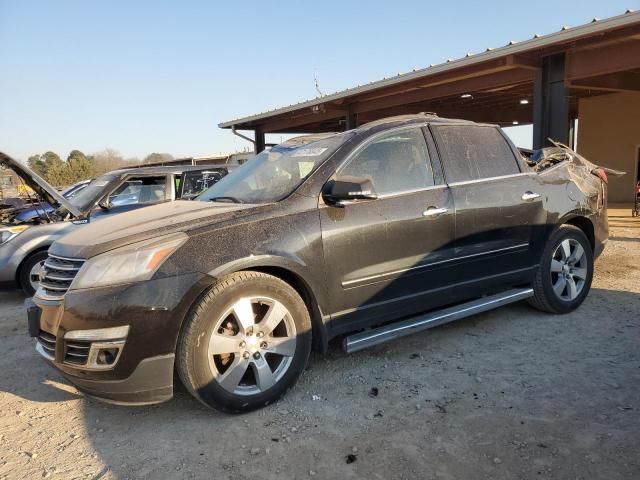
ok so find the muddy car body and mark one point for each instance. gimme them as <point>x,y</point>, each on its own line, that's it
<point>25,239</point>
<point>377,232</point>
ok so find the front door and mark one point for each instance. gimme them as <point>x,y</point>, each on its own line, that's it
<point>385,256</point>
<point>136,191</point>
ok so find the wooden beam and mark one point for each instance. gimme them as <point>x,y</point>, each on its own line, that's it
<point>520,61</point>
<point>615,82</point>
<point>296,120</point>
<point>601,61</point>
<point>476,84</point>
<point>473,71</point>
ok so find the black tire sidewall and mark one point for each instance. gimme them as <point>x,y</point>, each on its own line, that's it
<point>25,270</point>
<point>203,382</point>
<point>563,233</point>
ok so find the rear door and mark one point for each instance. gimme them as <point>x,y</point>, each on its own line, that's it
<point>381,254</point>
<point>499,210</point>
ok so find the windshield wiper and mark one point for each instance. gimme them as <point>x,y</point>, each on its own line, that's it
<point>232,199</point>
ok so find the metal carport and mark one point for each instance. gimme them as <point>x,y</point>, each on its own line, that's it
<point>540,81</point>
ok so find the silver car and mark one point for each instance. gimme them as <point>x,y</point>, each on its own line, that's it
<point>24,244</point>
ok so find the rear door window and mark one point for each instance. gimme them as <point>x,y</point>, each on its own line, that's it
<point>197,182</point>
<point>395,162</point>
<point>471,152</point>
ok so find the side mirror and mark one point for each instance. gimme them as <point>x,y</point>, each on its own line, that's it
<point>345,189</point>
<point>105,204</point>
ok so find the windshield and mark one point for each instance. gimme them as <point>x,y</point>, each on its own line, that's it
<point>274,174</point>
<point>91,193</point>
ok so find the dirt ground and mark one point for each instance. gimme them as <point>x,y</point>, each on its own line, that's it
<point>513,393</point>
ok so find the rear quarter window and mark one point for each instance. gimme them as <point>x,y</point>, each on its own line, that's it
<point>471,152</point>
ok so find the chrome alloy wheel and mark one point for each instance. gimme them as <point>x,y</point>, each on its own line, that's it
<point>252,345</point>
<point>568,269</point>
<point>34,275</point>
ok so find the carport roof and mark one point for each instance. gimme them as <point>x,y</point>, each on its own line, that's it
<point>497,74</point>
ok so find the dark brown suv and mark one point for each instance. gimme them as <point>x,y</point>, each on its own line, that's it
<point>370,234</point>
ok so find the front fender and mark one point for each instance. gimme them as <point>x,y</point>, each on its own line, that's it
<point>297,267</point>
<point>289,262</point>
<point>39,237</point>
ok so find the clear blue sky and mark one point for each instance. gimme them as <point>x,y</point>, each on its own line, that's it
<point>144,76</point>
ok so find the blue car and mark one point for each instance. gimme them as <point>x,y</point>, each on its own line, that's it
<point>42,209</point>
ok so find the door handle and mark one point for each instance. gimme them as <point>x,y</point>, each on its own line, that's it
<point>528,196</point>
<point>434,212</point>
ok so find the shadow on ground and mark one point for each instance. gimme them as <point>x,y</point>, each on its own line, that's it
<point>510,393</point>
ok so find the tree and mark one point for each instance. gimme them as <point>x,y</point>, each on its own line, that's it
<point>36,164</point>
<point>157,158</point>
<point>131,161</point>
<point>107,160</point>
<point>80,167</point>
<point>56,170</point>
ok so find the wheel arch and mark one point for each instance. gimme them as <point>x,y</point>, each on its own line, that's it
<point>319,332</point>
<point>291,271</point>
<point>583,223</point>
<point>42,248</point>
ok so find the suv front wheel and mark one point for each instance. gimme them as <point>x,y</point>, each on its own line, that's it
<point>28,273</point>
<point>564,276</point>
<point>245,343</point>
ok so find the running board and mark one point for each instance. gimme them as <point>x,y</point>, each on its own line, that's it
<point>376,336</point>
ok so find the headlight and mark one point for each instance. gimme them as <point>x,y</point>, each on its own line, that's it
<point>8,233</point>
<point>132,263</point>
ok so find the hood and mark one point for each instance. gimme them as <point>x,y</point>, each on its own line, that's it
<point>38,184</point>
<point>137,225</point>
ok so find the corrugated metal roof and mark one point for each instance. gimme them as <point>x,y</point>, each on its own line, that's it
<point>537,41</point>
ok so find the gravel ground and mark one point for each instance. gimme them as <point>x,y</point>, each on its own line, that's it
<point>513,393</point>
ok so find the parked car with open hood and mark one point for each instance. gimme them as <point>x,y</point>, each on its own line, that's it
<point>371,234</point>
<point>41,209</point>
<point>24,242</point>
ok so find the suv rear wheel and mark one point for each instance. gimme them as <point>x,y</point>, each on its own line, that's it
<point>245,343</point>
<point>564,277</point>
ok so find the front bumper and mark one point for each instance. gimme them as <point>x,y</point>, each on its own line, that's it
<point>141,371</point>
<point>151,382</point>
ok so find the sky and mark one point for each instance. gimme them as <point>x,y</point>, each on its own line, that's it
<point>158,76</point>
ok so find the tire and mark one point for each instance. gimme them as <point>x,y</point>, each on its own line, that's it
<point>25,271</point>
<point>230,357</point>
<point>571,279</point>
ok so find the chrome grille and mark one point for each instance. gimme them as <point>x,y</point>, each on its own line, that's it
<point>76,352</point>
<point>57,275</point>
<point>48,343</point>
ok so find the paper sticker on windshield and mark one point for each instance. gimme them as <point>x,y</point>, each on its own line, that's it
<point>305,168</point>
<point>309,152</point>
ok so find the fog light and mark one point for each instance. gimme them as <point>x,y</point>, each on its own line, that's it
<point>107,356</point>
<point>103,355</point>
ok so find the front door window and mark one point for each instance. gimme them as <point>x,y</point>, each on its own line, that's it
<point>140,190</point>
